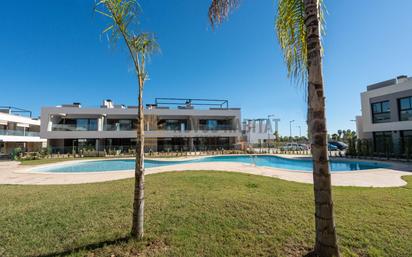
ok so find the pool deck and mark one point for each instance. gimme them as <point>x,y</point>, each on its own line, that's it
<point>12,172</point>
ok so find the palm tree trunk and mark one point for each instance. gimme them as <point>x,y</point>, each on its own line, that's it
<point>326,241</point>
<point>138,205</point>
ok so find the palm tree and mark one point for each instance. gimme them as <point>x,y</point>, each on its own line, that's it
<point>340,134</point>
<point>122,14</point>
<point>299,27</point>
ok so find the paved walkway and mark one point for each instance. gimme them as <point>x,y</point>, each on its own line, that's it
<point>13,173</point>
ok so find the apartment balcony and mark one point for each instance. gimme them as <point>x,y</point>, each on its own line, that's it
<point>116,130</point>
<point>117,127</point>
<point>217,127</point>
<point>19,133</point>
<point>72,127</point>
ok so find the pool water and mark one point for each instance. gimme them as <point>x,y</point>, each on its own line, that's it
<point>258,160</point>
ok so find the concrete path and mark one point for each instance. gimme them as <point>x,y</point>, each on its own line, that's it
<point>13,173</point>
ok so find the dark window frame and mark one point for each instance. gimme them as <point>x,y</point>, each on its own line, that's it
<point>406,140</point>
<point>386,145</point>
<point>400,110</point>
<point>380,104</point>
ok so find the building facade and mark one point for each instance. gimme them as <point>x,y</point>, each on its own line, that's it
<point>19,131</point>
<point>387,115</point>
<point>258,131</point>
<point>171,124</point>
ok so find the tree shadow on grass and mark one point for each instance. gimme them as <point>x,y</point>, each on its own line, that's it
<point>88,247</point>
<point>310,254</point>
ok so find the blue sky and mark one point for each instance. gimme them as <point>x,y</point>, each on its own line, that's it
<point>52,52</point>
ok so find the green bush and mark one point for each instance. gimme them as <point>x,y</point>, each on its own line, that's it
<point>45,151</point>
<point>16,153</point>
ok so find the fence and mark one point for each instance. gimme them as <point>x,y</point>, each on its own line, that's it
<point>386,149</point>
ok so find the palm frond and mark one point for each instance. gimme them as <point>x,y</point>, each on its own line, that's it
<point>291,33</point>
<point>122,14</point>
<point>220,9</point>
<point>144,43</point>
<point>323,11</point>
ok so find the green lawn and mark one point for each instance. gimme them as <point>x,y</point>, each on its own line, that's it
<point>200,214</point>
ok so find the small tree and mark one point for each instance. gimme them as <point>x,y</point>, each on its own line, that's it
<point>140,45</point>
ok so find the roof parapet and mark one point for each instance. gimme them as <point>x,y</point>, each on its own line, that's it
<point>399,79</point>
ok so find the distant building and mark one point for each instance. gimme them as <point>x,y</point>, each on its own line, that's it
<point>257,131</point>
<point>171,124</point>
<point>18,130</point>
<point>387,115</point>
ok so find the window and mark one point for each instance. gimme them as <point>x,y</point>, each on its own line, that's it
<point>82,124</point>
<point>406,141</point>
<point>86,124</point>
<point>120,125</point>
<point>383,141</point>
<point>172,125</point>
<point>75,125</point>
<point>405,108</point>
<point>215,124</point>
<point>381,112</point>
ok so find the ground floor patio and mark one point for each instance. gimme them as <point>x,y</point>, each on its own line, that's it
<point>128,145</point>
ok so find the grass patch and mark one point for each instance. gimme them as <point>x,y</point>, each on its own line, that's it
<point>200,213</point>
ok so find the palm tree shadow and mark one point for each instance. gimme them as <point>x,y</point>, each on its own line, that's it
<point>88,247</point>
<point>310,254</point>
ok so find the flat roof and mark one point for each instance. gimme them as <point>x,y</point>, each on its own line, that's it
<point>389,82</point>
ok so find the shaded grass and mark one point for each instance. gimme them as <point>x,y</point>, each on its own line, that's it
<point>200,213</point>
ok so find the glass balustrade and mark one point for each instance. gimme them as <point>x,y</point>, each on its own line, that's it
<point>118,127</point>
<point>19,133</point>
<point>130,127</point>
<point>72,127</point>
<point>215,127</point>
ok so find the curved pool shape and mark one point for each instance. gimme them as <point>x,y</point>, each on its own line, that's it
<point>259,160</point>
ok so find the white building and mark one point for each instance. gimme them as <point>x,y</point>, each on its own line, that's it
<point>18,131</point>
<point>258,131</point>
<point>386,118</point>
<point>171,124</point>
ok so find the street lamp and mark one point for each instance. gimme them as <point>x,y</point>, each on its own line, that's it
<point>300,130</point>
<point>290,128</point>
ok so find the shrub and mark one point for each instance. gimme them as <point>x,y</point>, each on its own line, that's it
<point>16,153</point>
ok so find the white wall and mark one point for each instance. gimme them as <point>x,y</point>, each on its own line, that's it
<point>367,125</point>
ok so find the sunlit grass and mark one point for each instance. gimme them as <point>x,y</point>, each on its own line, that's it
<point>201,213</point>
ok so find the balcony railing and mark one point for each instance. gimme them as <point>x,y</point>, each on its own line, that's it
<point>218,127</point>
<point>72,127</point>
<point>20,133</point>
<point>115,127</point>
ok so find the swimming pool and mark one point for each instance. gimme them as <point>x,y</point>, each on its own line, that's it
<point>259,160</point>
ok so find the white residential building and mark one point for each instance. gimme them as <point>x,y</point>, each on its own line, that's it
<point>18,131</point>
<point>258,131</point>
<point>386,118</point>
<point>171,124</point>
